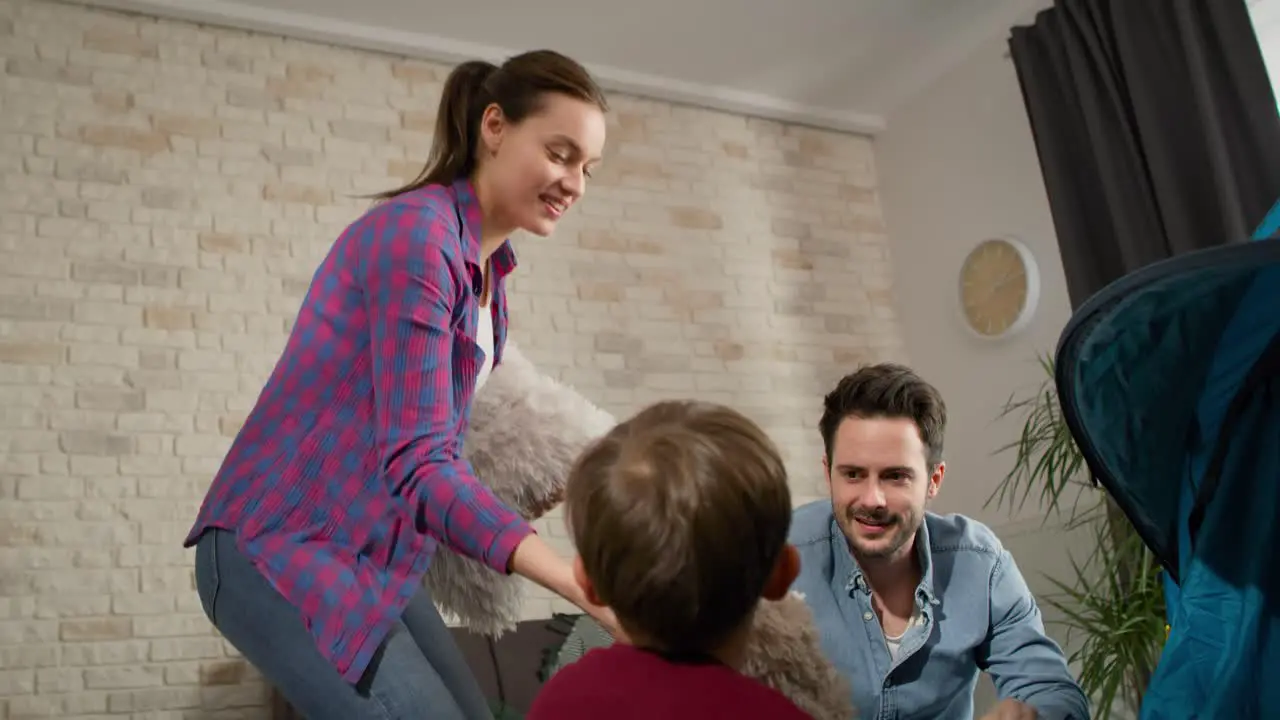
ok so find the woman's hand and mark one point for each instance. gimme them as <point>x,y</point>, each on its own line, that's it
<point>535,560</point>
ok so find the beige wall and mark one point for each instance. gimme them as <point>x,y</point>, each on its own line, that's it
<point>958,165</point>
<point>167,192</point>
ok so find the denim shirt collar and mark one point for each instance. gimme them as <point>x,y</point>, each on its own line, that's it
<point>848,572</point>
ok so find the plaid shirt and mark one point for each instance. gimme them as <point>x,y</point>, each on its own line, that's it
<point>347,474</point>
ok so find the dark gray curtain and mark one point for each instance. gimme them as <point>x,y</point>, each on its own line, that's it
<point>1156,128</point>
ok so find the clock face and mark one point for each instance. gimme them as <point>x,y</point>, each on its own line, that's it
<point>994,287</point>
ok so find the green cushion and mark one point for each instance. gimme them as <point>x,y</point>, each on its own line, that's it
<point>582,633</point>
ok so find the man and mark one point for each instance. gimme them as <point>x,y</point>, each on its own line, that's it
<point>911,605</point>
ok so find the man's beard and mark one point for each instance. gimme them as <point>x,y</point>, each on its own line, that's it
<point>899,530</point>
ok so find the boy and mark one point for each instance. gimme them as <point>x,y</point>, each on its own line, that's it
<point>680,517</point>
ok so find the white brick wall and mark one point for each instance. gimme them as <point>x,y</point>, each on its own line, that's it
<point>168,190</point>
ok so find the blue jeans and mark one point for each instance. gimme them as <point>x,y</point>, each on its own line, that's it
<point>417,674</point>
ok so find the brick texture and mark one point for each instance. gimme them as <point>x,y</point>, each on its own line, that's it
<point>168,190</point>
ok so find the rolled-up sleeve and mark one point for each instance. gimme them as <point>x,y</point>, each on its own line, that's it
<point>410,287</point>
<point>1025,664</point>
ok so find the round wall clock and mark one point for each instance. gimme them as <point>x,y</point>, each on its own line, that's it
<point>999,288</point>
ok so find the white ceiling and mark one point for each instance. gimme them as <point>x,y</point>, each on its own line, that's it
<point>841,64</point>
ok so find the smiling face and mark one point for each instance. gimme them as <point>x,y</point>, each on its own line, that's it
<point>880,483</point>
<point>535,170</point>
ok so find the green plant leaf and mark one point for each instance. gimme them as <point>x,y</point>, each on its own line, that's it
<point>1113,601</point>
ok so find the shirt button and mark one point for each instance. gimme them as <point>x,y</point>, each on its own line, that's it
<point>866,616</point>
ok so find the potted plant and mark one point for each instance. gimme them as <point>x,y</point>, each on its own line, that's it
<point>1112,604</point>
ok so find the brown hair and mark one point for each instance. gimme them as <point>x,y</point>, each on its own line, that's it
<point>887,390</point>
<point>680,515</point>
<point>519,87</point>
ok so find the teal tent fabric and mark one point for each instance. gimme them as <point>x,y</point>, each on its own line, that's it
<point>1169,380</point>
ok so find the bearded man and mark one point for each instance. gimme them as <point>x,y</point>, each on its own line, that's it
<point>911,606</point>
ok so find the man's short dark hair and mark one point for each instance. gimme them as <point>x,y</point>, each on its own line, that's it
<point>887,390</point>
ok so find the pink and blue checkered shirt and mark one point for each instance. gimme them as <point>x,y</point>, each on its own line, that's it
<point>348,474</point>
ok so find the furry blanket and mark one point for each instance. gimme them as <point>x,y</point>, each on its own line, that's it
<point>784,653</point>
<point>526,431</point>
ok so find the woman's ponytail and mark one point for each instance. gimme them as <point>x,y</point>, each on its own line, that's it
<point>457,128</point>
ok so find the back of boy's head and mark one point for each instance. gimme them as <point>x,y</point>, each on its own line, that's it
<point>680,515</point>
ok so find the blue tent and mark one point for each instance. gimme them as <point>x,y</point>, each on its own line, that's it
<point>1169,380</point>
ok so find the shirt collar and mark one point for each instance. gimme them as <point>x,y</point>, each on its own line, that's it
<point>847,567</point>
<point>504,258</point>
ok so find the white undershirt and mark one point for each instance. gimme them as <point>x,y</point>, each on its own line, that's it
<point>484,336</point>
<point>895,642</point>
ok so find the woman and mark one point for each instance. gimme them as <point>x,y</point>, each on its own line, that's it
<point>312,543</point>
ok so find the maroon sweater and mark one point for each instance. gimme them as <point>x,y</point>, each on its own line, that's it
<point>623,683</point>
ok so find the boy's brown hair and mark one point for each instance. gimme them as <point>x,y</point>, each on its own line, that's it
<point>680,515</point>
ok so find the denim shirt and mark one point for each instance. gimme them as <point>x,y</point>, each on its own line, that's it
<point>976,614</point>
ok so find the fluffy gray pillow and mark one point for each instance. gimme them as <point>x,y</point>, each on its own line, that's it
<point>784,652</point>
<point>526,431</point>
